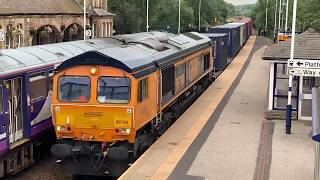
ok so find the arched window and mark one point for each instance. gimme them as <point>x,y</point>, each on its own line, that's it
<point>19,35</point>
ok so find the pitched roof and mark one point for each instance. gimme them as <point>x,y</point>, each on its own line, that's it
<point>10,7</point>
<point>307,46</point>
<point>101,12</point>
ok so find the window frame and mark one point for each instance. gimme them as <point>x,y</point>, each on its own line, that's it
<point>58,90</point>
<point>36,74</point>
<point>129,100</point>
<point>140,98</point>
<point>1,96</point>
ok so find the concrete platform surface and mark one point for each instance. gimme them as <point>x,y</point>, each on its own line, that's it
<point>231,150</point>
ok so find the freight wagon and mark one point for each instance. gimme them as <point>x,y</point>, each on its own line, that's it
<point>243,32</point>
<point>220,41</point>
<point>233,33</point>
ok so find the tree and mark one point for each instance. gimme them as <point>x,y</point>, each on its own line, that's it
<point>163,14</point>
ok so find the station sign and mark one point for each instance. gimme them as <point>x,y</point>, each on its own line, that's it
<point>2,35</point>
<point>298,63</point>
<point>300,67</point>
<point>304,72</point>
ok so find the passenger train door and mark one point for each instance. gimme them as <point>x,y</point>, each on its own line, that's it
<point>14,93</point>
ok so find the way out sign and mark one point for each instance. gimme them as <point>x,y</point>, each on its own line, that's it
<point>300,67</point>
<point>304,72</point>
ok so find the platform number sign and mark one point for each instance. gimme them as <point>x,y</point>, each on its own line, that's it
<point>88,33</point>
<point>2,35</point>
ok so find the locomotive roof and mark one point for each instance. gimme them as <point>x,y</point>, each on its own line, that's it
<point>27,58</point>
<point>142,53</point>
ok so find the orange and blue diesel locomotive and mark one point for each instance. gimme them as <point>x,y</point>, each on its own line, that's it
<point>110,105</point>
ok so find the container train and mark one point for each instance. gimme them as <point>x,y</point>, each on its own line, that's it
<point>135,112</point>
<point>110,105</point>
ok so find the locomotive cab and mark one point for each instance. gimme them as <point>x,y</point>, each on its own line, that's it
<point>93,104</point>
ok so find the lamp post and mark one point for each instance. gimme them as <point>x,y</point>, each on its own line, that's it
<point>275,23</point>
<point>199,15</point>
<point>287,11</point>
<point>179,17</point>
<point>280,11</point>
<point>147,16</point>
<point>84,19</point>
<point>266,24</point>
<point>289,105</point>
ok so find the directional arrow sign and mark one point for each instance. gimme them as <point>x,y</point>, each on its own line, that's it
<point>299,63</point>
<point>304,72</point>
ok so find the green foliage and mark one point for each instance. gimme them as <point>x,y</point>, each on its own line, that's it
<point>163,14</point>
<point>308,14</point>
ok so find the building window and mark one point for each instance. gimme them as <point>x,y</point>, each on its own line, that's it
<point>143,90</point>
<point>19,35</point>
<point>93,3</point>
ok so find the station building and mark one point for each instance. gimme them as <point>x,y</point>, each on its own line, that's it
<point>37,22</point>
<point>307,47</point>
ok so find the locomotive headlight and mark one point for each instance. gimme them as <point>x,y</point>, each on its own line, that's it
<point>94,70</point>
<point>124,131</point>
<point>61,128</point>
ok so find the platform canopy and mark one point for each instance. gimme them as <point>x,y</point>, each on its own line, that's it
<point>307,46</point>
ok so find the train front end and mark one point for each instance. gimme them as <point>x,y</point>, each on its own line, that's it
<point>93,119</point>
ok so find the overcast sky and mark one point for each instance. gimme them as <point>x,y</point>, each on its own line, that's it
<point>240,2</point>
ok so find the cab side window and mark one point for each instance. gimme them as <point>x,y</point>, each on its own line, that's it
<point>143,89</point>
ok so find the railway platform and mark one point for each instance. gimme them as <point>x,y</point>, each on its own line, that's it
<point>225,135</point>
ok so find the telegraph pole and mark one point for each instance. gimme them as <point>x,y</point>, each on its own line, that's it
<point>289,105</point>
<point>84,19</point>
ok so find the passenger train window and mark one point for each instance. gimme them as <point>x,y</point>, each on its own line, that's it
<point>74,89</point>
<point>38,86</point>
<point>1,100</point>
<point>113,90</point>
<point>143,89</point>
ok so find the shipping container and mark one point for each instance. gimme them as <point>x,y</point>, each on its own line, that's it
<point>243,32</point>
<point>220,41</point>
<point>248,23</point>
<point>233,33</point>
